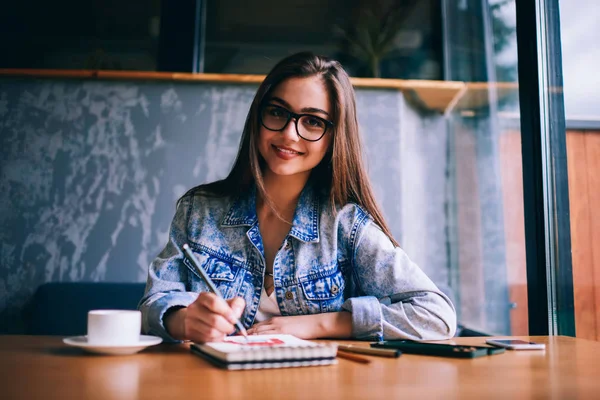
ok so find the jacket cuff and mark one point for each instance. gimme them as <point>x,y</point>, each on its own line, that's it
<point>366,317</point>
<point>153,323</point>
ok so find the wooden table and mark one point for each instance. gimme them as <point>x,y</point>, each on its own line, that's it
<point>34,367</point>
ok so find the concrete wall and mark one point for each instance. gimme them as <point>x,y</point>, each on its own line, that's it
<point>91,170</point>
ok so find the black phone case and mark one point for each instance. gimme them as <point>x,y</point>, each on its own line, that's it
<point>437,349</point>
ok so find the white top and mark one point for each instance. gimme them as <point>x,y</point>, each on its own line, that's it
<point>267,307</point>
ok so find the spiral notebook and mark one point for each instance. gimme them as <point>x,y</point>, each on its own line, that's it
<point>266,351</point>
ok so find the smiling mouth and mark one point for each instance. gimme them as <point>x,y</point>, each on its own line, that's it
<point>286,151</point>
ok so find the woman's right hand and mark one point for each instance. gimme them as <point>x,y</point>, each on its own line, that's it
<point>208,319</point>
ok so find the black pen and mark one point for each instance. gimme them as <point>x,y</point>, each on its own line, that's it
<point>190,256</point>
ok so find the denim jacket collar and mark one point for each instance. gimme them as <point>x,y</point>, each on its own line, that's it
<point>305,226</point>
<point>243,210</point>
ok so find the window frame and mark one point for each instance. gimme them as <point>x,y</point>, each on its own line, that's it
<point>545,176</point>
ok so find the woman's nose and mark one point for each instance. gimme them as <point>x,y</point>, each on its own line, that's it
<point>290,130</point>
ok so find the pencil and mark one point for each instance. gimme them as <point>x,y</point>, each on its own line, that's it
<point>369,350</point>
<point>190,256</point>
<point>353,357</point>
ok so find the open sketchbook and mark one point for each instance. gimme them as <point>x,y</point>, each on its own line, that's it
<point>266,351</point>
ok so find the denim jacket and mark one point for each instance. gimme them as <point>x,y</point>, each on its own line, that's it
<point>328,262</point>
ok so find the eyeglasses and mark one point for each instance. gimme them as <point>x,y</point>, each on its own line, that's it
<point>309,127</point>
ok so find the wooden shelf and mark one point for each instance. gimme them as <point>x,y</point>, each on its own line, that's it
<point>131,75</point>
<point>434,95</point>
<point>478,94</point>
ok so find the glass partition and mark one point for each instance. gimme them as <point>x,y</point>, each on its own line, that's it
<point>486,238</point>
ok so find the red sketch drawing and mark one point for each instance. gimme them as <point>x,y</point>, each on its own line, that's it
<point>257,342</point>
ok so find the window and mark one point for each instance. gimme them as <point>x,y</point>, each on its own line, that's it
<point>71,34</point>
<point>580,55</point>
<point>247,37</point>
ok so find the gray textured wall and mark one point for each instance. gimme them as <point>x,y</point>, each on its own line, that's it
<point>91,170</point>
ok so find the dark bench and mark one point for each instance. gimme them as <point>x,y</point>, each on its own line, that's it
<point>60,308</point>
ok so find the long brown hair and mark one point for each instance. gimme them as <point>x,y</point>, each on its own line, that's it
<point>341,172</point>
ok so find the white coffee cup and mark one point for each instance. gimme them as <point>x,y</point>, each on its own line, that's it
<point>114,327</point>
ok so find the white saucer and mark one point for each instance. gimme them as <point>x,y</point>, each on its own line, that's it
<point>81,341</point>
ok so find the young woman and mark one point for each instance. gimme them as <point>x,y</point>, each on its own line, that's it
<point>293,237</point>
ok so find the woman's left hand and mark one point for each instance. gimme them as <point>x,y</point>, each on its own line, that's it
<point>328,325</point>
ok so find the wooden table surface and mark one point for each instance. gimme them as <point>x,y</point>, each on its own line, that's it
<point>42,367</point>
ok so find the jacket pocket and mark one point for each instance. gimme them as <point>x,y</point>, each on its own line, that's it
<point>226,274</point>
<point>324,293</point>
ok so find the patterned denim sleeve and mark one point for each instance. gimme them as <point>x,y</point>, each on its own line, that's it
<point>398,301</point>
<point>165,286</point>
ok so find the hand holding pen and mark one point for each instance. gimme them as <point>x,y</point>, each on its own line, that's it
<point>211,317</point>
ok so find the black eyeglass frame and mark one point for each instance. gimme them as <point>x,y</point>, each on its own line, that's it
<point>296,117</point>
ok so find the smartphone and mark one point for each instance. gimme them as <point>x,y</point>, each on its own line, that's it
<point>438,349</point>
<point>516,344</point>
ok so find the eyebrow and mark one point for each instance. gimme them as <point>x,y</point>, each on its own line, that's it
<point>304,110</point>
